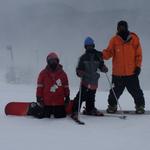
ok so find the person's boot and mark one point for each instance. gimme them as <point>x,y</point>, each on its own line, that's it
<point>139,110</point>
<point>32,108</point>
<point>36,111</point>
<point>93,112</point>
<point>111,109</point>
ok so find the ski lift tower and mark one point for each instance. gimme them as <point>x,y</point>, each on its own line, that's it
<point>11,73</point>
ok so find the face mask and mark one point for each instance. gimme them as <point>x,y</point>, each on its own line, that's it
<point>52,63</point>
<point>53,66</point>
<point>122,29</point>
<point>123,32</point>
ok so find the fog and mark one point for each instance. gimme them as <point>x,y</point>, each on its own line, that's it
<point>31,29</point>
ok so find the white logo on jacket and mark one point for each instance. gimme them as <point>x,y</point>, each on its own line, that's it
<point>56,85</point>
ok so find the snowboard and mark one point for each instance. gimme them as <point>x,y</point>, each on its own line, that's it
<point>22,108</point>
<point>17,108</point>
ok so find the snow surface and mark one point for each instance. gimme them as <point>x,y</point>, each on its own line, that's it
<point>34,28</point>
<point>105,133</point>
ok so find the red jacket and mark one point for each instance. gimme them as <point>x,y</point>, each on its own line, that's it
<point>52,86</point>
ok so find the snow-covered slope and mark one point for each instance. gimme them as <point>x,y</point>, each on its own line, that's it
<point>22,133</point>
<point>34,28</point>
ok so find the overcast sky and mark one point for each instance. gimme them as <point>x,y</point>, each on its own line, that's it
<point>35,27</point>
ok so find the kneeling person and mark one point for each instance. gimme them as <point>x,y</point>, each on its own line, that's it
<point>52,90</point>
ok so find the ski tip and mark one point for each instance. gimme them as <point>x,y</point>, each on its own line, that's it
<point>79,122</point>
<point>82,123</point>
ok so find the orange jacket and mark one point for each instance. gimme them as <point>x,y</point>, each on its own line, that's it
<point>126,56</point>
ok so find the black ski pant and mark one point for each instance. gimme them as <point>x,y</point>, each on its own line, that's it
<point>47,111</point>
<point>133,86</point>
<point>88,96</point>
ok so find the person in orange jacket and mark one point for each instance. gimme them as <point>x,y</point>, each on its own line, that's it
<point>125,50</point>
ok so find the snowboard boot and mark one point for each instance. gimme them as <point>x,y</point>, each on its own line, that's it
<point>31,108</point>
<point>139,110</point>
<point>93,112</point>
<point>111,109</point>
<point>36,111</point>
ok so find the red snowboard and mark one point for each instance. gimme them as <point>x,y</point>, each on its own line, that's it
<point>21,108</point>
<point>17,108</point>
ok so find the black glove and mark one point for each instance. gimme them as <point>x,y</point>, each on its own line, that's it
<point>67,99</point>
<point>101,54</point>
<point>39,101</point>
<point>104,69</point>
<point>137,71</point>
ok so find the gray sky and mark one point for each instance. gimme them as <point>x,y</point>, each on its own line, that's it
<point>36,27</point>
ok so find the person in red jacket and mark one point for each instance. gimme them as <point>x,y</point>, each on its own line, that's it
<point>52,90</point>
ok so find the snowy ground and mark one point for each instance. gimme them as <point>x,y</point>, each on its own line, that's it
<point>103,133</point>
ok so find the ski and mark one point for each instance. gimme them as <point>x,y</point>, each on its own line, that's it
<point>99,114</point>
<point>109,115</point>
<point>116,116</point>
<point>126,112</point>
<point>78,121</point>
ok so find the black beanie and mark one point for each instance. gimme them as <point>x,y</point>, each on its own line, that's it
<point>122,23</point>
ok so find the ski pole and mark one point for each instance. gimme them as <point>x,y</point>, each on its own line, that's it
<point>79,103</point>
<point>122,113</point>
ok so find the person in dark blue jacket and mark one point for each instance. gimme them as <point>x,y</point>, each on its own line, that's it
<point>87,69</point>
